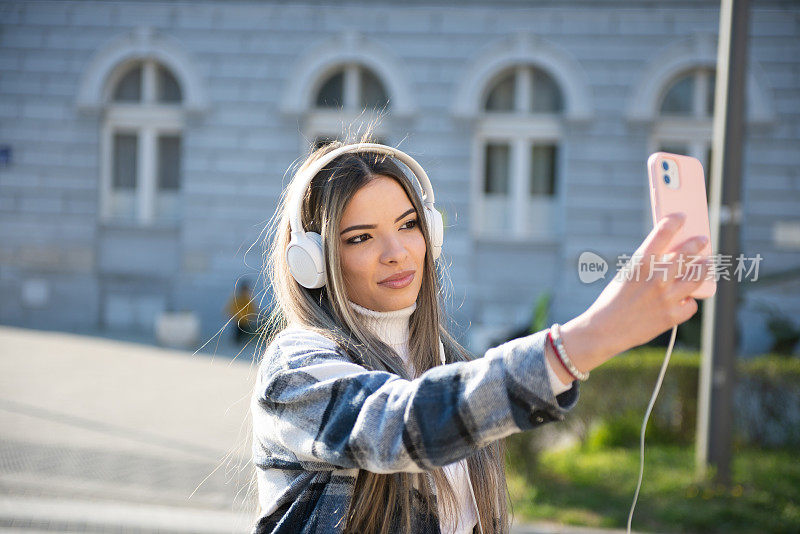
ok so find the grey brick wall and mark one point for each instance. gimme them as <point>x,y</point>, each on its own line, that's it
<point>237,151</point>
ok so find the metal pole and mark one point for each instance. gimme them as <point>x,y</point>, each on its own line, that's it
<point>720,336</point>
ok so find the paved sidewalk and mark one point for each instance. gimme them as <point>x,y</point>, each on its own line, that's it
<point>101,435</point>
<point>105,435</point>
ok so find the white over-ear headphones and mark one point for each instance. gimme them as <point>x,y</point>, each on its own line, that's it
<point>305,253</point>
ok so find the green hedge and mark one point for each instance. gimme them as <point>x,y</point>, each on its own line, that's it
<point>614,400</point>
<point>768,401</point>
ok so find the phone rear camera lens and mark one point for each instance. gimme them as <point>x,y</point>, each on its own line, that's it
<point>666,179</point>
<point>665,165</point>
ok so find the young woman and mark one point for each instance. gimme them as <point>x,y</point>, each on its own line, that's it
<point>368,416</point>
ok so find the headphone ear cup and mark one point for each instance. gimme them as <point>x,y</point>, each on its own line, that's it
<point>435,229</point>
<point>306,258</point>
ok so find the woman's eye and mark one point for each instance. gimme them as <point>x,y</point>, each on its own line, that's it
<point>410,224</point>
<point>358,239</point>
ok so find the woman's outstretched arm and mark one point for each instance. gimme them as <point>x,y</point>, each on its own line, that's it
<point>633,310</point>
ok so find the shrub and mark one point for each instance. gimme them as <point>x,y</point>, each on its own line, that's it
<point>614,400</point>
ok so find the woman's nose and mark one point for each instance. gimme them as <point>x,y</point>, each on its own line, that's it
<point>393,250</point>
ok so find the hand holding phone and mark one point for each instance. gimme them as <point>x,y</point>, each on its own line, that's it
<point>677,185</point>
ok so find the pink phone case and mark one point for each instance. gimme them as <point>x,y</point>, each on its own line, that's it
<point>681,187</point>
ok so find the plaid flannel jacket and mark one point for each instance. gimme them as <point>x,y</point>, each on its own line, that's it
<point>318,418</point>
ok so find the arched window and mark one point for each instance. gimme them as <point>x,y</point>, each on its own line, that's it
<point>538,92</point>
<point>685,119</point>
<point>344,94</point>
<point>142,140</point>
<point>690,95</point>
<point>518,137</point>
<point>352,87</point>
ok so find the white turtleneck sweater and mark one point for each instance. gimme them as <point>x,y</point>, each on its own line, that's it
<point>393,329</point>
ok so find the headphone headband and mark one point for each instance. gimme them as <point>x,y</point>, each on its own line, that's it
<point>312,170</point>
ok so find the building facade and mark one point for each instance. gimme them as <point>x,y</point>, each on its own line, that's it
<point>144,145</point>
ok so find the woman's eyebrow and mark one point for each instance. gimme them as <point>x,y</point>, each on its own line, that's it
<point>370,226</point>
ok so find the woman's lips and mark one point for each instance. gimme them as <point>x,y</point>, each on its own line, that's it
<point>399,283</point>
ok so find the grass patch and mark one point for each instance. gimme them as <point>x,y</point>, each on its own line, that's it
<point>582,486</point>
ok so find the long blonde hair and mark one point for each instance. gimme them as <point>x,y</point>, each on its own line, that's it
<point>326,311</point>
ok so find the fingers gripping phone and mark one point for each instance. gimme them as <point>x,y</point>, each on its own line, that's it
<point>677,185</point>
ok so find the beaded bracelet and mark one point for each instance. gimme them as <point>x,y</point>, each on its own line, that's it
<point>554,335</point>
<point>558,357</point>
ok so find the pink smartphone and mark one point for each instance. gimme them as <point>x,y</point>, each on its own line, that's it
<point>677,184</point>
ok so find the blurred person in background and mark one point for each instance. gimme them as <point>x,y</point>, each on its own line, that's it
<point>243,311</point>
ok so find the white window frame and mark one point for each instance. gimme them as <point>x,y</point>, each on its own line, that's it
<point>333,122</point>
<point>521,130</point>
<point>148,120</point>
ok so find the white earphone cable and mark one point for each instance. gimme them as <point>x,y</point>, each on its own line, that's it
<point>644,424</point>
